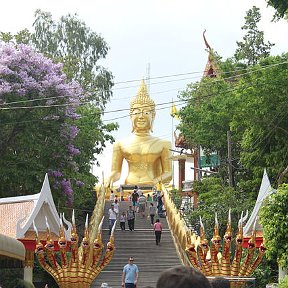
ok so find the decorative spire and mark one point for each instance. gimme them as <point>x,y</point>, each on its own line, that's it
<point>36,231</point>
<point>228,232</point>
<point>216,235</point>
<point>74,236</point>
<point>85,241</point>
<point>202,230</point>
<point>211,69</point>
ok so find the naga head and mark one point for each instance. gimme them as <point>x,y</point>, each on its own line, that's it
<point>252,240</point>
<point>74,238</point>
<point>97,244</point>
<point>49,244</point>
<point>203,241</point>
<point>239,236</point>
<point>228,233</point>
<point>62,242</point>
<point>262,248</point>
<point>39,248</point>
<point>191,248</point>
<point>216,240</point>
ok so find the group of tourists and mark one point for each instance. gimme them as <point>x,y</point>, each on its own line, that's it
<point>140,202</point>
<point>153,203</point>
<point>113,214</point>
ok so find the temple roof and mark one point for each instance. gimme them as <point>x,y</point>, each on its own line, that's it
<point>264,191</point>
<point>18,213</point>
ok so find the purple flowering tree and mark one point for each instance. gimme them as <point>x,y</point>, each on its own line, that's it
<point>62,142</point>
<point>38,116</point>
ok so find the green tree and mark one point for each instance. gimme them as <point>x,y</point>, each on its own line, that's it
<point>262,116</point>
<point>216,196</point>
<point>37,120</point>
<point>252,104</point>
<point>284,282</point>
<point>273,217</point>
<point>281,7</point>
<point>252,48</point>
<point>210,108</point>
<point>71,42</point>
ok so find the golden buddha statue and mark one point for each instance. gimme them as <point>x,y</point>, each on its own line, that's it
<point>148,157</point>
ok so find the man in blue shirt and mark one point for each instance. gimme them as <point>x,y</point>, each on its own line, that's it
<point>130,274</point>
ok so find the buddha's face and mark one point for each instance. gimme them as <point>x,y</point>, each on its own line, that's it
<point>142,118</point>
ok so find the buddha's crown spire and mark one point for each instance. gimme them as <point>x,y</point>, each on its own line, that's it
<point>142,98</point>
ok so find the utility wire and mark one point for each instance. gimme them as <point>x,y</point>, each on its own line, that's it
<point>216,80</point>
<point>176,103</point>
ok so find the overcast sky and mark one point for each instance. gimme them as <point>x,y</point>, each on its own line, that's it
<point>163,34</point>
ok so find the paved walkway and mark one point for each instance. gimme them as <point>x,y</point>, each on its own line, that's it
<point>140,244</point>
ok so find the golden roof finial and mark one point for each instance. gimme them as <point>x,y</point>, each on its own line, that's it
<point>211,69</point>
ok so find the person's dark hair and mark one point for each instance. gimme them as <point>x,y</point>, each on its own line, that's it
<point>157,220</point>
<point>220,282</point>
<point>182,277</point>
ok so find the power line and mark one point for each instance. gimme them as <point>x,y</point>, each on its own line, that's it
<point>176,103</point>
<point>154,83</point>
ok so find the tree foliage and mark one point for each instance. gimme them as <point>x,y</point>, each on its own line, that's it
<point>215,196</point>
<point>284,282</point>
<point>252,48</point>
<point>281,7</point>
<point>71,42</point>
<point>263,116</point>
<point>274,218</point>
<point>253,105</point>
<point>38,108</point>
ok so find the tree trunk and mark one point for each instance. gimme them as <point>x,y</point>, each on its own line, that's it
<point>282,272</point>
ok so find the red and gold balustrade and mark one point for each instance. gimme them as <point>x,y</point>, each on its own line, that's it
<point>78,266</point>
<point>214,259</point>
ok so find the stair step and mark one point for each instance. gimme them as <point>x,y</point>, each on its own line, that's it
<point>140,243</point>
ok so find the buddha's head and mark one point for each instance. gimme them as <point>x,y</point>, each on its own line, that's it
<point>142,111</point>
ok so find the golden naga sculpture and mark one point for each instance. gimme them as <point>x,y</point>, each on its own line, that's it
<point>148,157</point>
<point>83,265</point>
<point>220,265</point>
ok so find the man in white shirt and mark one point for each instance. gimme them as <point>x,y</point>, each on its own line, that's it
<point>112,217</point>
<point>112,196</point>
<point>142,204</point>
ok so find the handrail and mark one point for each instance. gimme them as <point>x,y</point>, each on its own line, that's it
<point>97,214</point>
<point>178,227</point>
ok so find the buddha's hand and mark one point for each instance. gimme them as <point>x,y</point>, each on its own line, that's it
<point>108,183</point>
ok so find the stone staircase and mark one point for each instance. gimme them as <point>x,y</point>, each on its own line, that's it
<point>150,258</point>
